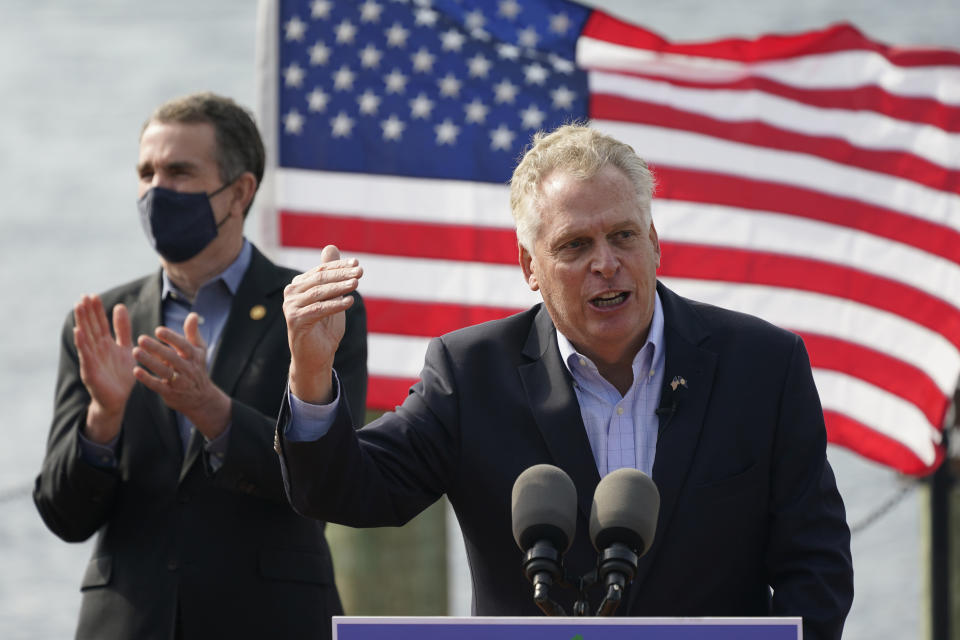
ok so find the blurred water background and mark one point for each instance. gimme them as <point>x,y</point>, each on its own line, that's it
<point>77,80</point>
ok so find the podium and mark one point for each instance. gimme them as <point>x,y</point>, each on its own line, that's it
<point>544,628</point>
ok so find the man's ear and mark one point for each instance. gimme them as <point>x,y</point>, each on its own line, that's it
<point>655,240</point>
<point>243,190</point>
<point>526,263</point>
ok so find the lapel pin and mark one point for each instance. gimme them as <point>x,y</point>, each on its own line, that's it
<point>257,312</point>
<point>678,381</point>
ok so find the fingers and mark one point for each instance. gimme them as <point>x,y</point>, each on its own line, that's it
<point>157,358</point>
<point>184,347</point>
<point>327,273</point>
<point>191,330</point>
<point>121,325</point>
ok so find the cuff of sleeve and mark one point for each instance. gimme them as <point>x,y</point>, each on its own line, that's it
<point>216,449</point>
<point>308,421</point>
<point>99,455</point>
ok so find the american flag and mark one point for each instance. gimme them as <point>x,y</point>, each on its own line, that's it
<point>810,179</point>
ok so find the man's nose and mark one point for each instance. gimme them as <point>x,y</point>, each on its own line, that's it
<point>604,260</point>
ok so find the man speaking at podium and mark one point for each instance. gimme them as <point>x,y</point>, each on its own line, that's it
<point>612,370</point>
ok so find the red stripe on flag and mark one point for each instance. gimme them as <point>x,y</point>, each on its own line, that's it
<point>701,262</point>
<point>429,319</point>
<point>392,238</point>
<point>870,98</point>
<point>879,369</point>
<point>754,132</point>
<point>385,393</point>
<point>847,432</point>
<point>675,183</point>
<point>839,37</point>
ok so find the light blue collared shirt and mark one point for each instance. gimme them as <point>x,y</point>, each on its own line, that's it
<point>622,430</point>
<point>212,303</point>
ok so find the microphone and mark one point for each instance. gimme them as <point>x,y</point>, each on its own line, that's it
<point>544,511</point>
<point>623,519</point>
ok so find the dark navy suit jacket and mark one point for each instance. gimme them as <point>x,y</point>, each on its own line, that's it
<point>749,502</point>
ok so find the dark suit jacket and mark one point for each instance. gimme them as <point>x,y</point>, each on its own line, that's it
<point>225,549</point>
<point>749,501</point>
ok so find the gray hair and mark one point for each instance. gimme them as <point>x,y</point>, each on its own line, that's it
<point>580,151</point>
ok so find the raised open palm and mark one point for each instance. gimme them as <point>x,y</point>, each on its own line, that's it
<point>106,362</point>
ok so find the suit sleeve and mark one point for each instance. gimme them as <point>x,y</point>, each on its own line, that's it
<point>74,498</point>
<point>808,550</point>
<point>250,465</point>
<point>387,472</point>
<point>350,360</point>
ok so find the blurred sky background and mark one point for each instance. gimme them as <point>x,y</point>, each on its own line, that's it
<point>77,80</point>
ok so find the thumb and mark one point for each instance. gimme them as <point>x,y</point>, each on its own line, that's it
<point>191,330</point>
<point>329,253</point>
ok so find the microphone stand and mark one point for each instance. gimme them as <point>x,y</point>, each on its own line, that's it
<point>617,566</point>
<point>541,564</point>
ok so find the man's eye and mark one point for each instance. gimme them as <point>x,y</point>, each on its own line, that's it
<point>574,244</point>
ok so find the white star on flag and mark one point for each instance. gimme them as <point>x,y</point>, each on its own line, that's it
<point>295,28</point>
<point>320,9</point>
<point>562,97</point>
<point>343,79</point>
<point>293,122</point>
<point>346,32</point>
<point>476,111</point>
<point>396,82</point>
<point>369,102</point>
<point>479,66</point>
<point>293,75</point>
<point>447,132</point>
<point>318,100</point>
<point>397,35</point>
<point>319,54</point>
<point>449,86</point>
<point>392,127</point>
<point>341,125</point>
<point>421,106</point>
<point>501,138</point>
<point>505,91</point>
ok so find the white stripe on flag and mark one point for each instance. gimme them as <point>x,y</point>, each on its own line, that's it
<point>364,195</point>
<point>395,356</point>
<point>397,278</point>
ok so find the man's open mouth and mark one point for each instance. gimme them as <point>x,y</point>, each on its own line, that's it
<point>609,300</point>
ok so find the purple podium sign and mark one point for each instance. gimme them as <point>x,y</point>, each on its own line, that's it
<point>479,628</point>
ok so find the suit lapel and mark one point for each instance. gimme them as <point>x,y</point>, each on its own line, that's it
<point>553,402</point>
<point>145,316</point>
<point>251,314</point>
<point>680,432</point>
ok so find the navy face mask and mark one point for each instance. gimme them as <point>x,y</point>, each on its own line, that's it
<point>178,225</point>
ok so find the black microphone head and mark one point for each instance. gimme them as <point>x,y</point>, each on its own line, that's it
<point>625,509</point>
<point>544,507</point>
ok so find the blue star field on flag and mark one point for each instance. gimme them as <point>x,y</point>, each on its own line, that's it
<point>441,89</point>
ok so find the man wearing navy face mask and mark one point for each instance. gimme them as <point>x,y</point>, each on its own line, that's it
<point>162,444</point>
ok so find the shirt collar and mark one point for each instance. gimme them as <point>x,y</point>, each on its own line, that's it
<point>232,276</point>
<point>654,337</point>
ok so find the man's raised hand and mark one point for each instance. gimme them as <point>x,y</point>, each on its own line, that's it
<point>313,305</point>
<point>106,365</point>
